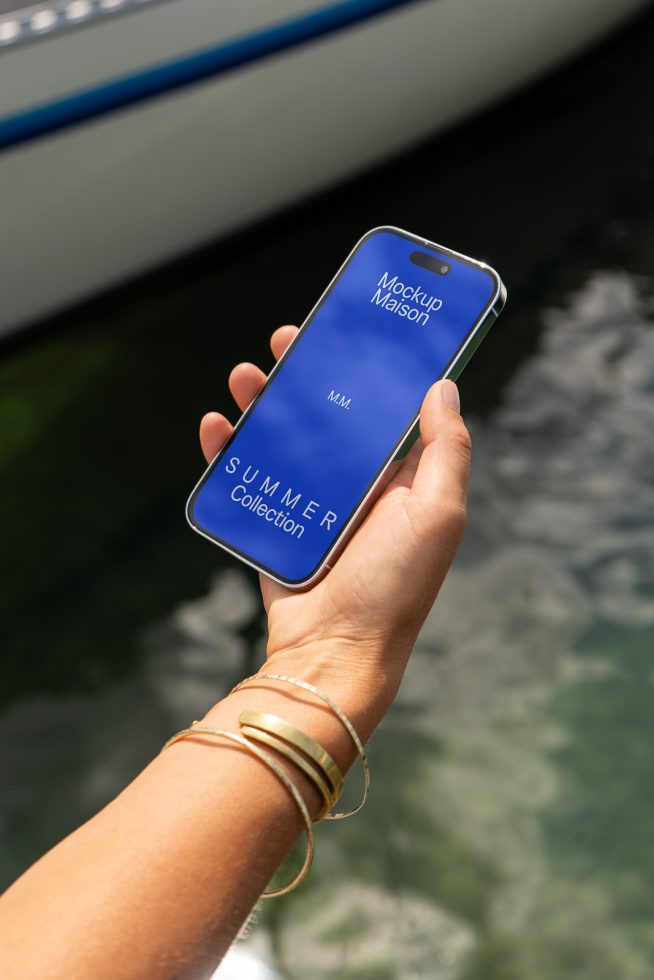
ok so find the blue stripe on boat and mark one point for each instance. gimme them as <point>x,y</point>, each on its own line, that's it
<point>151,82</point>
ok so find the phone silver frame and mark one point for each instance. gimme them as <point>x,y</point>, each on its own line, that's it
<point>464,354</point>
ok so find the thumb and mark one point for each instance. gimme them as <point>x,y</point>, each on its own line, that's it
<point>440,486</point>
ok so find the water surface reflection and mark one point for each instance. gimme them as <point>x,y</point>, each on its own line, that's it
<point>499,849</point>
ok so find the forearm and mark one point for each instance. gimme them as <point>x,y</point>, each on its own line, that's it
<point>159,883</point>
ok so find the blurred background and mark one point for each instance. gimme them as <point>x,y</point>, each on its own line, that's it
<point>178,179</point>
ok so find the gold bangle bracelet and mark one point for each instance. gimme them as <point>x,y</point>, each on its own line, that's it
<point>283,778</point>
<point>288,733</point>
<point>289,753</point>
<point>345,721</point>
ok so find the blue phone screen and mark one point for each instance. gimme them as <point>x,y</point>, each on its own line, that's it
<point>307,451</point>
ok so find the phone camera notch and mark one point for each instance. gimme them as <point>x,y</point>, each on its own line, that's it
<point>432,263</point>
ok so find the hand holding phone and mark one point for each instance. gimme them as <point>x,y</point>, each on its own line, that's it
<point>352,633</point>
<point>318,438</point>
<point>314,448</point>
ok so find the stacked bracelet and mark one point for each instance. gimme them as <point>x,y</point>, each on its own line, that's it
<point>301,750</point>
<point>283,777</point>
<point>345,721</point>
<point>289,753</point>
<point>318,764</point>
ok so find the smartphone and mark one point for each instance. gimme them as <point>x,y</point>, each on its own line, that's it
<point>343,402</point>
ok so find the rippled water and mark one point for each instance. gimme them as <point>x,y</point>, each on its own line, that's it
<point>509,834</point>
<point>518,840</point>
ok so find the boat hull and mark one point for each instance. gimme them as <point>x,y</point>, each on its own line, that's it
<point>95,204</point>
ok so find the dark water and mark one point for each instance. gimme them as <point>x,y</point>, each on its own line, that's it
<point>518,842</point>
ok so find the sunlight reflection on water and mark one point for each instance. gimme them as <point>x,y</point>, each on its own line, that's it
<point>560,536</point>
<point>239,964</point>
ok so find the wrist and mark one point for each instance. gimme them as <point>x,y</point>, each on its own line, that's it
<point>298,707</point>
<point>361,677</point>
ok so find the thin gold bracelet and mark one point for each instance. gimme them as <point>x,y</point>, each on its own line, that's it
<point>289,753</point>
<point>340,715</point>
<point>267,722</point>
<point>282,776</point>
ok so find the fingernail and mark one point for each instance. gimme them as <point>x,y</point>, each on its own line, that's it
<point>450,394</point>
